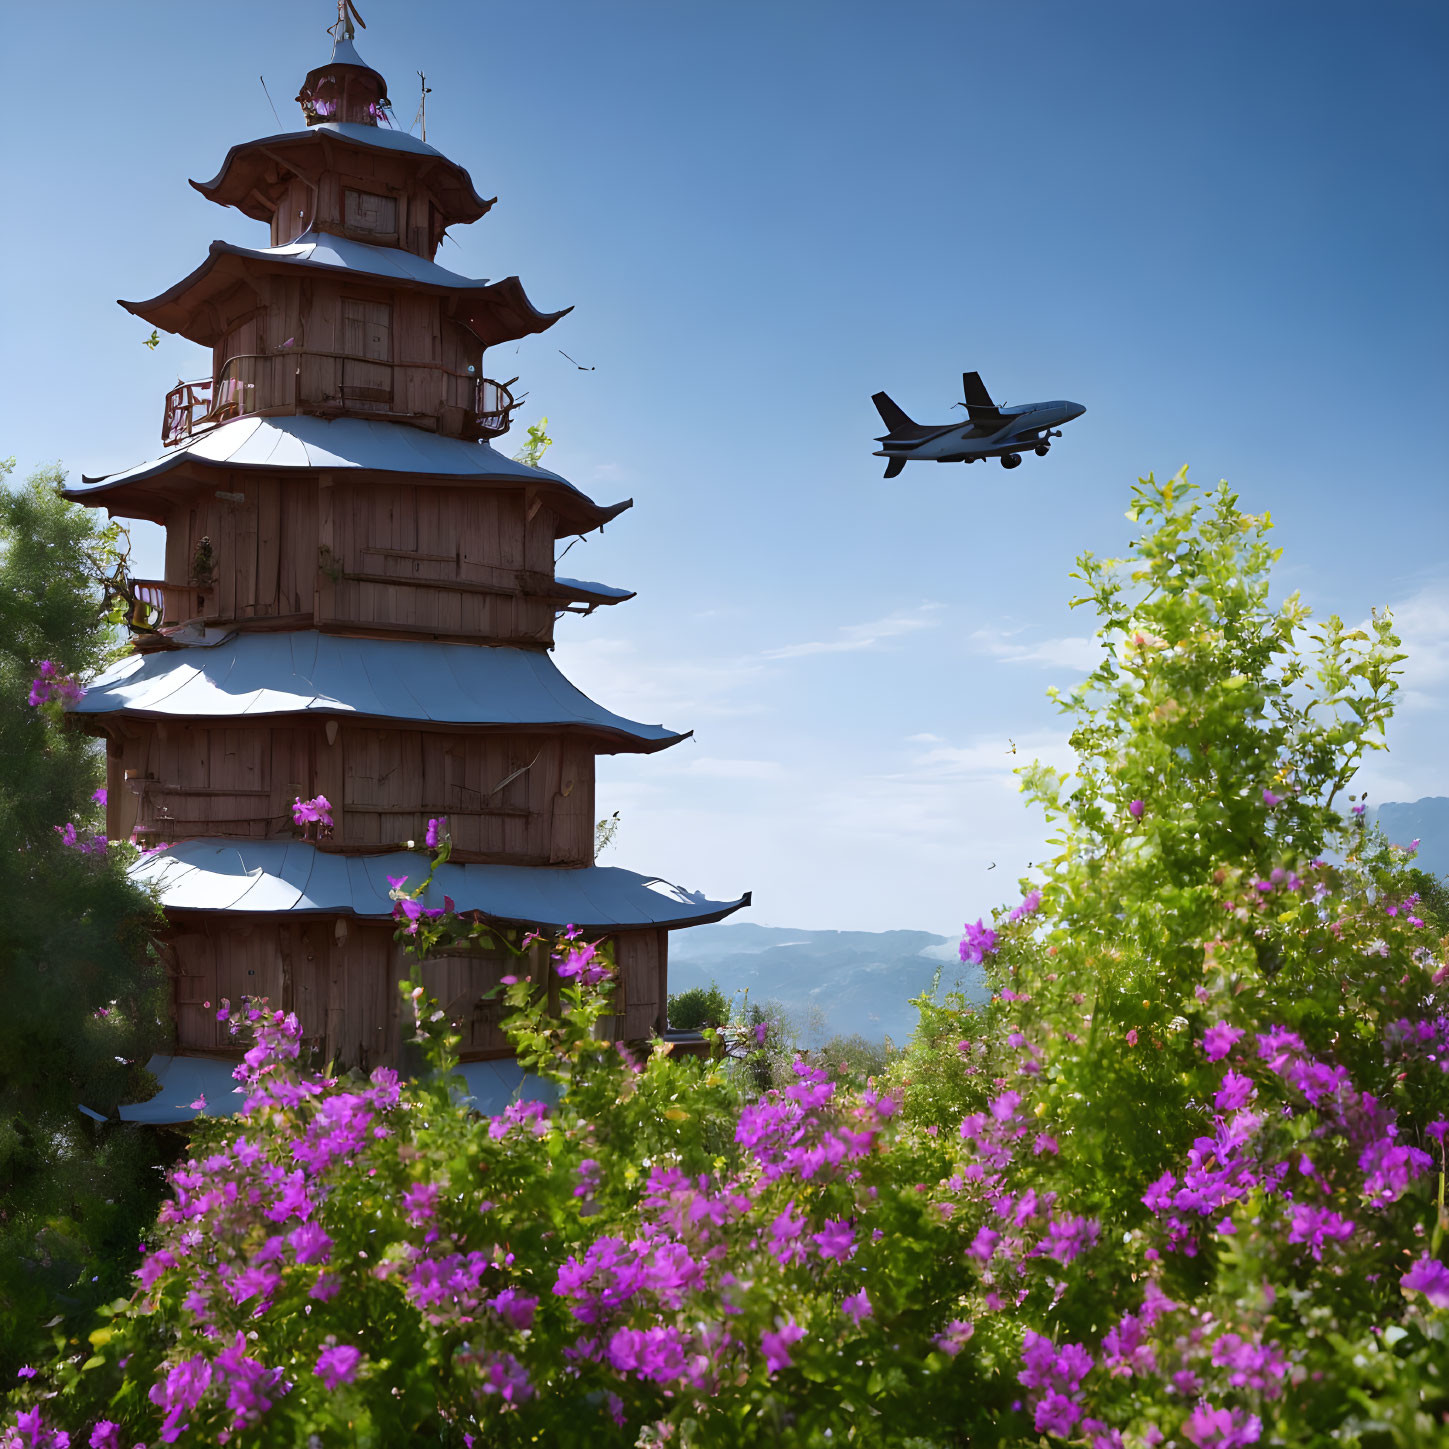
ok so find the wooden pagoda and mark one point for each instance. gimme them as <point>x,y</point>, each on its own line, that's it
<point>359,602</point>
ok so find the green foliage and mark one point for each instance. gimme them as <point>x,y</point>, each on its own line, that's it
<point>537,445</point>
<point>1180,1182</point>
<point>854,1060</point>
<point>604,832</point>
<point>80,987</point>
<point>699,1007</point>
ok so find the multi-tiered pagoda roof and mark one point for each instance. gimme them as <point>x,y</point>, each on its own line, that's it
<point>358,603</point>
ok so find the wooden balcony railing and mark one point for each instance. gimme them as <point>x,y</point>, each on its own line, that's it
<point>304,380</point>
<point>155,603</point>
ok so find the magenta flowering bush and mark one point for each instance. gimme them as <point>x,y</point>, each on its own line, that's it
<point>1181,1183</point>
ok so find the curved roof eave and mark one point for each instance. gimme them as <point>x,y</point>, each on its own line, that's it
<point>305,672</point>
<point>326,253</point>
<point>303,441</point>
<point>271,877</point>
<point>372,137</point>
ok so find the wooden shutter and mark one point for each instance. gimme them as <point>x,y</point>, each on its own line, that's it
<point>364,212</point>
<point>366,334</point>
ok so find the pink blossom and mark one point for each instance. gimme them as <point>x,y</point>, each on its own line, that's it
<point>857,1307</point>
<point>1135,809</point>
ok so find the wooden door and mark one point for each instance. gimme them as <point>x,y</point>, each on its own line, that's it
<point>367,343</point>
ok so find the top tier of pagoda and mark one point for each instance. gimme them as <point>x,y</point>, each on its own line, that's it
<point>345,313</point>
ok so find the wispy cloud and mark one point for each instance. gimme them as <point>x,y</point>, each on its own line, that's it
<point>1071,652</point>
<point>1422,624</point>
<point>862,636</point>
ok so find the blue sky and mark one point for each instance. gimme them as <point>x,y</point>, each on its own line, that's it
<point>1220,227</point>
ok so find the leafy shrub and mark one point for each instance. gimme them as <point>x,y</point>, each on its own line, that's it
<point>1180,1182</point>
<point>699,1007</point>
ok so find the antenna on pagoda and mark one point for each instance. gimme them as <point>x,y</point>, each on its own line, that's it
<point>347,12</point>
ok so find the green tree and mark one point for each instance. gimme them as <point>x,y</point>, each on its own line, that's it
<point>83,1009</point>
<point>699,1007</point>
<point>1213,743</point>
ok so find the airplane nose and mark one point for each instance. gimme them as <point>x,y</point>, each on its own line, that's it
<point>1076,410</point>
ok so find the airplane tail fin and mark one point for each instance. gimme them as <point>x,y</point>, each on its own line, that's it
<point>895,420</point>
<point>894,466</point>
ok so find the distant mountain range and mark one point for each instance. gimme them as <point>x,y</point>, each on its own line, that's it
<point>1426,821</point>
<point>861,982</point>
<point>831,982</point>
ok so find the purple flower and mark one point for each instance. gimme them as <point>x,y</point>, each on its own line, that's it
<point>106,1435</point>
<point>776,1346</point>
<point>1030,904</point>
<point>983,1245</point>
<point>100,798</point>
<point>1056,1414</point>
<point>836,1240</point>
<point>1270,799</point>
<point>51,684</point>
<point>1135,809</point>
<point>954,1337</point>
<point>1236,1091</point>
<point>1071,1237</point>
<point>1219,1039</point>
<point>785,1235</point>
<point>1315,1226</point>
<point>1158,1197</point>
<point>1211,1428</point>
<point>978,943</point>
<point>310,1243</point>
<point>338,1365</point>
<point>308,813</point>
<point>1431,1278</point>
<point>436,830</point>
<point>857,1307</point>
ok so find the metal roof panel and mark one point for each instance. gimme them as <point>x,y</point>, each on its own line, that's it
<point>305,672</point>
<point>278,876</point>
<point>302,441</point>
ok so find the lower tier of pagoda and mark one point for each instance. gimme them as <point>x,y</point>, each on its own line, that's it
<point>314,933</point>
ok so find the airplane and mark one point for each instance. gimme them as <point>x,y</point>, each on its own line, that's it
<point>992,432</point>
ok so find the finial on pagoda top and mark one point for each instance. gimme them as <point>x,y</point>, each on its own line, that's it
<point>346,88</point>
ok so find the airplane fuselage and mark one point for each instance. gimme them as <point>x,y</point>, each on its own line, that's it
<point>1022,429</point>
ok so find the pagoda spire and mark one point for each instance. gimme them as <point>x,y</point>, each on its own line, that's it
<point>346,88</point>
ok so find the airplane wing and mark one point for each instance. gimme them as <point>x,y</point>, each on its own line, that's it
<point>983,412</point>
